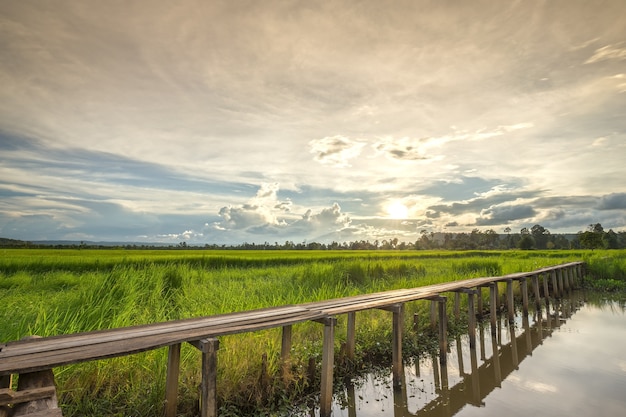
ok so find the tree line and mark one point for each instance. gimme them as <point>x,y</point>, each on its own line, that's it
<point>537,237</point>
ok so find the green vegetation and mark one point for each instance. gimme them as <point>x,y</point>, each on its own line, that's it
<point>48,292</point>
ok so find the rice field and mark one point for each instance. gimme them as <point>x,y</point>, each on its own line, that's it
<point>48,292</point>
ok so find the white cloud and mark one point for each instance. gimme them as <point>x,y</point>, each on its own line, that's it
<point>608,52</point>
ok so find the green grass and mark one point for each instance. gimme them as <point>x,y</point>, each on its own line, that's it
<point>50,292</point>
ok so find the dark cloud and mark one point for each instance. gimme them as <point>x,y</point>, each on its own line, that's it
<point>504,214</point>
<point>616,201</point>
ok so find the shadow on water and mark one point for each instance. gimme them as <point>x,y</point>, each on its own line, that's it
<point>470,375</point>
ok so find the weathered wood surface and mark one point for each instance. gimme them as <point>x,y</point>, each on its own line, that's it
<point>49,352</point>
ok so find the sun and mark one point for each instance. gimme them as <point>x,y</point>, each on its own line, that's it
<point>397,210</point>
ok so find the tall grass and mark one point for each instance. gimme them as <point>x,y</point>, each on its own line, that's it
<point>50,292</point>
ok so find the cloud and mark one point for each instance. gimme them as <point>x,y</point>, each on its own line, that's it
<point>335,150</point>
<point>327,218</point>
<point>616,201</point>
<point>608,52</point>
<point>503,214</point>
<point>403,148</point>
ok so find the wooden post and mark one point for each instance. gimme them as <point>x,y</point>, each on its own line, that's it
<point>546,293</point>
<point>524,286</point>
<point>457,305</point>
<point>208,387</point>
<point>555,287</point>
<point>471,319</point>
<point>433,314</point>
<point>480,299</point>
<point>509,300</point>
<point>328,356</point>
<point>443,331</point>
<point>514,356</point>
<point>496,361</point>
<point>561,288</point>
<point>171,381</point>
<point>285,352</point>
<point>536,291</point>
<point>351,335</point>
<point>396,345</point>
<point>493,290</point>
<point>498,303</point>
<point>475,378</point>
<point>571,278</point>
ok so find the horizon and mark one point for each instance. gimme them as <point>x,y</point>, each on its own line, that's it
<point>226,122</point>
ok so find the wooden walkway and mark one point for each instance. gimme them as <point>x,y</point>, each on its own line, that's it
<point>35,356</point>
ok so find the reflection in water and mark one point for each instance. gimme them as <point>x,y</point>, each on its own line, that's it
<point>428,388</point>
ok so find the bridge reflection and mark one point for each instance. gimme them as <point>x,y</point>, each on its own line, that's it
<point>499,354</point>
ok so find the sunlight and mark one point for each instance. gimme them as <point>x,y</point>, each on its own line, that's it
<point>397,210</point>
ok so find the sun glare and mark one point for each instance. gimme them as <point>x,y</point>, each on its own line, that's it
<point>397,210</point>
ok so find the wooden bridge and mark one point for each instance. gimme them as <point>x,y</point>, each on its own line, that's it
<point>34,358</point>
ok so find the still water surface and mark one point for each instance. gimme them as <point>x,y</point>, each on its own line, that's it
<point>571,361</point>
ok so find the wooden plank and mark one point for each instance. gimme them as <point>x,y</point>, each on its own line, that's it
<point>48,359</point>
<point>8,396</point>
<point>101,336</point>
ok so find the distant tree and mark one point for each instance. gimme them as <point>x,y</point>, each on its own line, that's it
<point>507,230</point>
<point>526,242</point>
<point>590,240</point>
<point>611,240</point>
<point>540,236</point>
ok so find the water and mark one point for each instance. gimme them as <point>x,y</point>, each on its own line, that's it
<point>570,362</point>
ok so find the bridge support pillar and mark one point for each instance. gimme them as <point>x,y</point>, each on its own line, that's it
<point>555,287</point>
<point>510,307</point>
<point>493,296</point>
<point>171,381</point>
<point>524,286</point>
<point>351,335</point>
<point>208,386</point>
<point>535,279</point>
<point>328,357</point>
<point>546,293</point>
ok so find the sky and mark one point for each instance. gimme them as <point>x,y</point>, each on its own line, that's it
<point>270,121</point>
